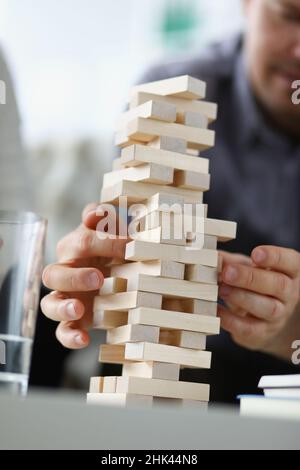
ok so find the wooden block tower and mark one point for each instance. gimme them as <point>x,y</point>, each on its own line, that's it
<point>159,305</point>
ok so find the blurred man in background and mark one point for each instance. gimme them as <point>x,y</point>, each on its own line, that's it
<point>255,168</point>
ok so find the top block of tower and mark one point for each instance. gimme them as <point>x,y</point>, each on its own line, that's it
<point>181,87</point>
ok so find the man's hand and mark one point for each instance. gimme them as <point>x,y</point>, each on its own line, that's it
<point>77,278</point>
<point>261,293</point>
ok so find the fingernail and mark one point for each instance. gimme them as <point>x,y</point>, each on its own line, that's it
<point>79,340</point>
<point>259,255</point>
<point>71,311</point>
<point>224,291</point>
<point>231,274</point>
<point>93,281</point>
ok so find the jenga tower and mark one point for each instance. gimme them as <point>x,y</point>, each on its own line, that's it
<point>159,306</point>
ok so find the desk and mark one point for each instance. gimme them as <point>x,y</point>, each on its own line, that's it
<point>58,421</point>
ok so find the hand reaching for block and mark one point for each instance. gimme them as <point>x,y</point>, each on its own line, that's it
<point>262,296</point>
<point>77,277</point>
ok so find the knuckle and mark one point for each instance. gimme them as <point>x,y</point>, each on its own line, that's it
<point>85,241</point>
<point>249,281</point>
<point>276,310</point>
<point>282,284</point>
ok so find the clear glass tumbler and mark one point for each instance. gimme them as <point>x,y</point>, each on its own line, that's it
<point>22,242</point>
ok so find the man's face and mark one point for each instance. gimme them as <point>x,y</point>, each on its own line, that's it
<point>273,53</point>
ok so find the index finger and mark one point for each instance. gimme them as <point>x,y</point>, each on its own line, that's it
<point>284,260</point>
<point>85,243</point>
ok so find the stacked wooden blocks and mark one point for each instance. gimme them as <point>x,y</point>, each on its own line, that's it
<point>159,306</point>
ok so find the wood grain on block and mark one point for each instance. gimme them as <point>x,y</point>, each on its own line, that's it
<point>138,192</point>
<point>177,404</point>
<point>122,400</point>
<point>172,144</point>
<point>152,109</point>
<point>202,274</point>
<point>172,354</point>
<point>172,320</point>
<point>192,180</point>
<point>133,334</point>
<point>223,230</point>
<point>192,119</point>
<point>127,300</point>
<point>113,285</point>
<point>112,354</point>
<point>183,339</point>
<point>174,288</point>
<point>145,251</point>
<point>161,268</point>
<point>163,388</point>
<point>107,319</point>
<point>146,173</point>
<point>139,154</point>
<point>161,235</point>
<point>182,105</point>
<point>110,385</point>
<point>186,87</point>
<point>199,307</point>
<point>96,384</point>
<point>152,370</point>
<point>146,130</point>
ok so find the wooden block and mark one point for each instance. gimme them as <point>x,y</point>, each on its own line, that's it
<point>96,384</point>
<point>192,119</point>
<point>191,180</point>
<point>139,154</point>
<point>178,404</point>
<point>153,109</point>
<point>145,130</point>
<point>174,288</point>
<point>186,87</point>
<point>183,339</point>
<point>182,105</point>
<point>160,235</point>
<point>139,192</point>
<point>223,230</point>
<point>179,223</point>
<point>172,320</point>
<point>133,334</point>
<point>122,400</point>
<point>172,354</point>
<point>204,274</point>
<point>163,203</point>
<point>112,354</point>
<point>113,285</point>
<point>107,319</point>
<point>110,385</point>
<point>198,307</point>
<point>163,388</point>
<point>127,300</point>
<point>195,405</point>
<point>172,144</point>
<point>152,370</point>
<point>161,268</point>
<point>145,251</point>
<point>147,173</point>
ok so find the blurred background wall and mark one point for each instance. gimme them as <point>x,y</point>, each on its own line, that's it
<point>73,62</point>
